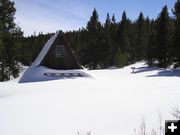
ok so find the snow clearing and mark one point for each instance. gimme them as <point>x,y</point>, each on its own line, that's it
<point>110,102</point>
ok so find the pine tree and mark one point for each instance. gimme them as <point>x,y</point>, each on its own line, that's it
<point>113,20</point>
<point>94,24</point>
<point>176,44</point>
<point>163,38</point>
<point>148,28</point>
<point>93,49</point>
<point>151,46</point>
<point>140,37</point>
<point>105,41</point>
<point>8,61</point>
<point>108,22</point>
<point>17,37</point>
<point>123,41</point>
<point>123,32</point>
<point>114,42</point>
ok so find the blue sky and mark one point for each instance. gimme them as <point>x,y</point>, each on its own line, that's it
<point>53,15</point>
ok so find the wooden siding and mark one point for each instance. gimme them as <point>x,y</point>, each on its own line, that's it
<point>63,63</point>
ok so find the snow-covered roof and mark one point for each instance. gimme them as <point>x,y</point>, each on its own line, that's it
<point>44,51</point>
<point>37,73</point>
<point>31,70</point>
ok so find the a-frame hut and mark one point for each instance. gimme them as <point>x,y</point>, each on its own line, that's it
<point>56,59</point>
<point>60,55</point>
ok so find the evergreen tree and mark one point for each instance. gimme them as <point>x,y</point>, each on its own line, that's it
<point>148,28</point>
<point>123,41</point>
<point>94,24</point>
<point>8,61</point>
<point>108,22</point>
<point>93,48</point>
<point>140,37</point>
<point>132,46</point>
<point>113,20</point>
<point>151,46</point>
<point>106,43</point>
<point>163,38</point>
<point>17,37</point>
<point>176,44</point>
<point>123,31</point>
<point>114,42</point>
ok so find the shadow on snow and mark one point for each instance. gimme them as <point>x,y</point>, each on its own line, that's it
<point>161,72</point>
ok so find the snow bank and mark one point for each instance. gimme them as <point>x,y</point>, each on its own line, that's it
<point>113,103</point>
<point>37,74</point>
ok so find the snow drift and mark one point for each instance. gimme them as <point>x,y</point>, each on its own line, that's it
<point>113,103</point>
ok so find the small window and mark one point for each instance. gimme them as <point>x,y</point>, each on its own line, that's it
<point>59,51</point>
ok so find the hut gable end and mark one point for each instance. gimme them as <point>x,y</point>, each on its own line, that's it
<point>60,55</point>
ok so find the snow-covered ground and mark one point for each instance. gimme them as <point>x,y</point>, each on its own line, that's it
<point>112,102</point>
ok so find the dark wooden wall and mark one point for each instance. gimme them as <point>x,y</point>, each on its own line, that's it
<point>66,62</point>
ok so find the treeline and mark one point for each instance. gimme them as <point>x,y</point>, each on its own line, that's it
<point>157,41</point>
<point>99,45</point>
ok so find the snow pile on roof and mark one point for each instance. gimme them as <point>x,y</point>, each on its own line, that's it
<point>44,51</point>
<point>29,74</point>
